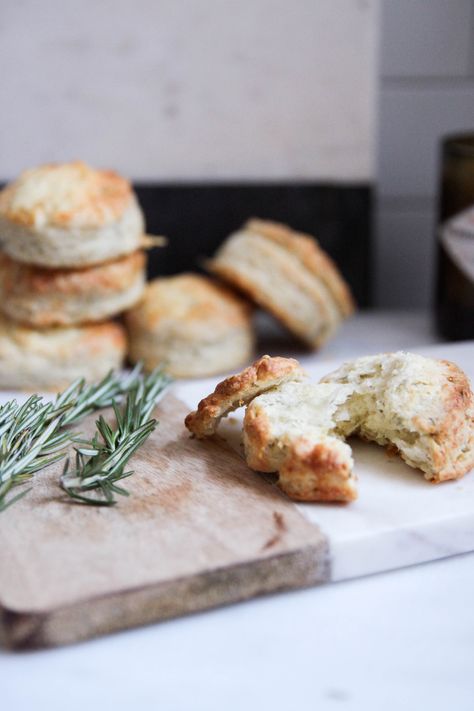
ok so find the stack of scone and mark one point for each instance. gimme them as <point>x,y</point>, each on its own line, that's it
<point>72,259</point>
<point>200,328</point>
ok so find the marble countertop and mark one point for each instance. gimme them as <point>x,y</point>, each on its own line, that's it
<point>402,639</point>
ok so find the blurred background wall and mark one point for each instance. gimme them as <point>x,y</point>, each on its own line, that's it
<point>231,108</point>
<point>328,94</point>
<point>426,90</point>
<point>191,89</point>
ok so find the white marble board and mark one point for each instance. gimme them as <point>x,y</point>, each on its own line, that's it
<point>399,519</point>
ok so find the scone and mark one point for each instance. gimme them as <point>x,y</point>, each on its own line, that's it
<point>41,297</point>
<point>420,407</point>
<point>288,274</point>
<point>291,430</point>
<point>282,429</point>
<point>50,359</point>
<point>192,325</point>
<point>69,215</point>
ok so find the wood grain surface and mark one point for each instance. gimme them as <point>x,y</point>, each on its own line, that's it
<point>198,530</point>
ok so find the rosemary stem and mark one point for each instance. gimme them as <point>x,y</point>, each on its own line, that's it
<point>34,434</point>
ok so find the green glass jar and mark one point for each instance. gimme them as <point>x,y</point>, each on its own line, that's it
<point>455,284</point>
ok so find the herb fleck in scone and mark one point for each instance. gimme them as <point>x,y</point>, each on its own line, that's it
<point>288,274</point>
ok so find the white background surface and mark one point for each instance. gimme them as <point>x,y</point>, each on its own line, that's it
<point>399,640</point>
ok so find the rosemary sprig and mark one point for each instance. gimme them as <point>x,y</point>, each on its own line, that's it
<point>100,462</point>
<point>83,399</point>
<point>30,439</point>
<point>32,435</point>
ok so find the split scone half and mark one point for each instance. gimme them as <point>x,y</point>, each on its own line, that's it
<point>421,407</point>
<point>265,374</point>
<point>291,430</point>
<point>50,359</point>
<point>69,215</point>
<point>191,324</point>
<point>289,275</point>
<point>43,298</point>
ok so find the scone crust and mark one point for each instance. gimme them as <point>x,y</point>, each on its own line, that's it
<point>50,359</point>
<point>193,299</point>
<point>302,270</point>
<point>308,251</point>
<point>237,390</point>
<point>69,215</point>
<point>40,297</point>
<point>65,195</point>
<point>308,470</point>
<point>315,472</point>
<point>441,415</point>
<point>454,431</point>
<point>193,325</point>
<point>238,279</point>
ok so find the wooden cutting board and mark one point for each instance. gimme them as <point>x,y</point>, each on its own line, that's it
<point>198,530</point>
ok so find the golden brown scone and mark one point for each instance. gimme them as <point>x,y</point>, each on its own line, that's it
<point>42,298</point>
<point>420,406</point>
<point>50,359</point>
<point>69,215</point>
<point>290,430</point>
<point>191,324</point>
<point>287,273</point>
<point>266,373</point>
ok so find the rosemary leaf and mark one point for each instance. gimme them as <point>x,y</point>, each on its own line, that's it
<point>85,399</point>
<point>29,440</point>
<point>100,462</point>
